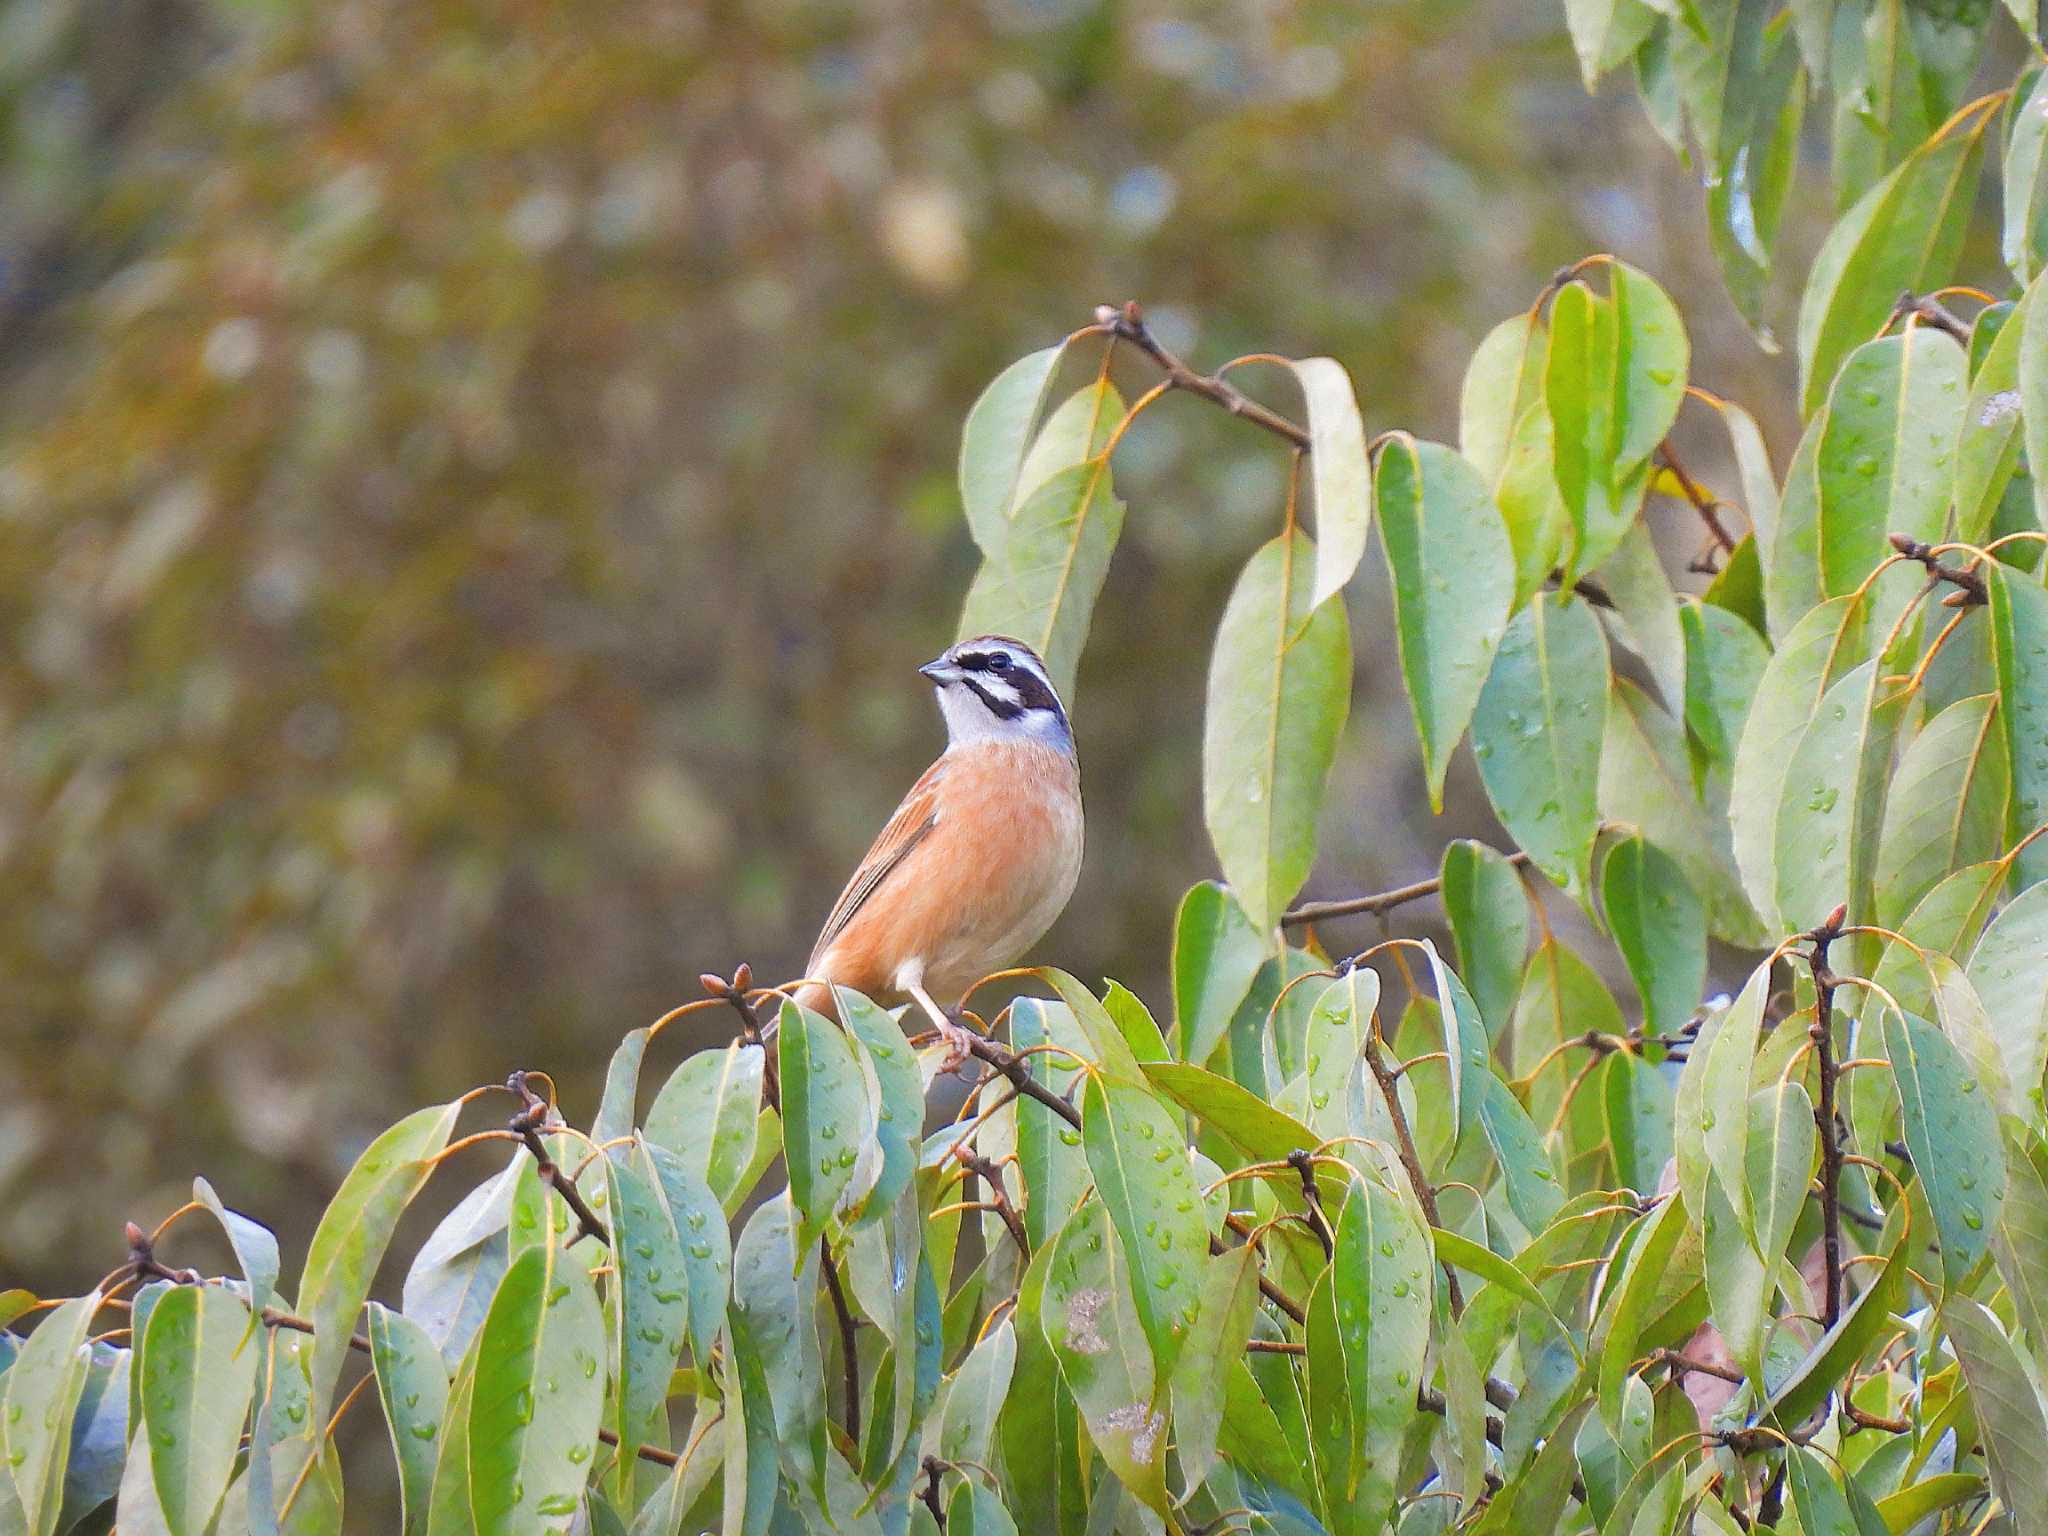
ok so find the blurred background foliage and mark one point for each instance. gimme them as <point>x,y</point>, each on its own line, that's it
<point>475,479</point>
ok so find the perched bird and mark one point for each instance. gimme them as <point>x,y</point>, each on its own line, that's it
<point>979,858</point>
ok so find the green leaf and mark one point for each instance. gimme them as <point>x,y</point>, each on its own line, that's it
<point>1040,1428</point>
<point>42,1391</point>
<point>1646,783</point>
<point>1951,1128</point>
<point>1638,1101</point>
<point>1279,690</point>
<point>1201,1376</point>
<point>1049,1155</point>
<point>975,1511</point>
<point>1781,1150</point>
<point>353,1233</point>
<point>1660,929</point>
<point>456,1271</point>
<point>1613,383</point>
<point>1042,587</point>
<point>993,441</point>
<point>894,1086</point>
<point>1761,108</point>
<point>964,1418</point>
<point>1903,234</point>
<point>2009,969</point>
<point>751,1473</point>
<point>1946,806</point>
<point>1830,805</point>
<point>1093,1328</point>
<point>1537,734</point>
<point>650,1296</point>
<point>1248,1122</point>
<point>1504,430</point>
<point>2019,644</point>
<point>1645,610</point>
<point>775,1301</point>
<point>1488,911</point>
<point>1826,642</point>
<point>1738,1282</point>
<point>1886,456</point>
<point>2020,1241</point>
<point>1098,1037</point>
<point>1338,473</point>
<point>1453,578</point>
<point>1534,1193</point>
<point>2008,1406</point>
<point>2026,198</point>
<point>1605,32</point>
<point>1629,1307</point>
<point>703,1454</point>
<point>2033,387</point>
<point>1467,1046</point>
<point>448,1512</point>
<point>1216,953</point>
<point>255,1246</point>
<point>1791,556</point>
<point>826,1115</point>
<point>196,1386</point>
<point>1988,446</point>
<point>617,1107</point>
<point>1367,1337</point>
<point>1146,1183</point>
<point>708,1114</point>
<point>1462,1253</point>
<point>412,1384</point>
<point>1710,1119</point>
<point>1725,662</point>
<point>537,1397</point>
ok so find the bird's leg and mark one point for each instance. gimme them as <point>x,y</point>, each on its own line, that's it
<point>957,1036</point>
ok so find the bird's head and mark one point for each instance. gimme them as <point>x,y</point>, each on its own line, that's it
<point>993,688</point>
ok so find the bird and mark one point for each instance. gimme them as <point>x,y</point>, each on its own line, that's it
<point>978,860</point>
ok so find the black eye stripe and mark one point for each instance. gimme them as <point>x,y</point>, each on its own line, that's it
<point>1002,709</point>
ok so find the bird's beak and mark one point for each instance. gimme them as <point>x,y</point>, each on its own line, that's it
<point>940,670</point>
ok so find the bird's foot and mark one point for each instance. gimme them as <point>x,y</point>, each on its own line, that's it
<point>959,1038</point>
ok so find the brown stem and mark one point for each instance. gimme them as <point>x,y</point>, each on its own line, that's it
<point>1972,593</point>
<point>1128,324</point>
<point>1319,1223</point>
<point>1379,902</point>
<point>1695,493</point>
<point>1928,311</point>
<point>1686,1364</point>
<point>1411,1160</point>
<point>752,1030</point>
<point>1267,1288</point>
<point>849,1345</point>
<point>1014,1067</point>
<point>991,1175</point>
<point>526,1126</point>
<point>1822,1034</point>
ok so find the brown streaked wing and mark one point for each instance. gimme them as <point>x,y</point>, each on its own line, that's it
<point>911,825</point>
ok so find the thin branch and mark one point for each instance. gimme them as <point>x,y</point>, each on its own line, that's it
<point>1823,1036</point>
<point>999,1198</point>
<point>1972,593</point>
<point>753,1029</point>
<point>1318,1222</point>
<point>1376,904</point>
<point>526,1125</point>
<point>1411,1160</point>
<point>1928,311</point>
<point>1128,324</point>
<point>1684,1364</point>
<point>849,1344</point>
<point>1267,1288</point>
<point>1695,493</point>
<point>1013,1067</point>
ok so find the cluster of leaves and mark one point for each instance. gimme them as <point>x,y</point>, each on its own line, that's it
<point>1342,1244</point>
<point>1727,84</point>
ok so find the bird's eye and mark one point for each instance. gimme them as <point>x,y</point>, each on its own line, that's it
<point>999,662</point>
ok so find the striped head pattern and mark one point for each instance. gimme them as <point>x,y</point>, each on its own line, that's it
<point>993,688</point>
